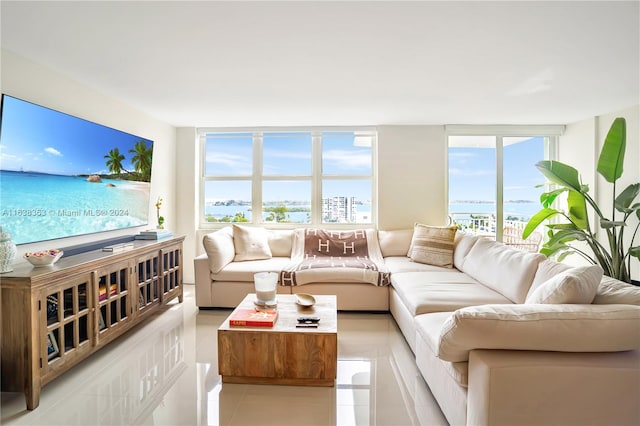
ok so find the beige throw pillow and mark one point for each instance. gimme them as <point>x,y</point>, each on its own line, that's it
<point>576,285</point>
<point>433,245</point>
<point>251,243</point>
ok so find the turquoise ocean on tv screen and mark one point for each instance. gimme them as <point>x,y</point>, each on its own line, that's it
<point>39,207</point>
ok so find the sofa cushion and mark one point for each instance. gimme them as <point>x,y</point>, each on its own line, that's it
<point>219,248</point>
<point>462,246</point>
<point>395,243</point>
<point>243,271</point>
<point>251,243</point>
<point>611,290</point>
<point>576,285</point>
<point>428,330</point>
<point>396,264</point>
<point>560,328</point>
<point>443,291</point>
<point>504,269</point>
<point>280,242</point>
<point>433,245</point>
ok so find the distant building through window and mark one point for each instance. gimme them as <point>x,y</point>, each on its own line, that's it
<point>340,210</point>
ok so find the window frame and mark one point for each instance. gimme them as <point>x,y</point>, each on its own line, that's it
<point>316,178</point>
<point>550,133</point>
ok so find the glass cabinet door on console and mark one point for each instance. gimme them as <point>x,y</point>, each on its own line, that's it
<point>148,277</point>
<point>66,318</point>
<point>113,309</point>
<point>172,273</point>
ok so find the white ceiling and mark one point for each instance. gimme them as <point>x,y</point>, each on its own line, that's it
<point>211,63</point>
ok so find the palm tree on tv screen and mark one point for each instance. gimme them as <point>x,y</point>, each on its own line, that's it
<point>142,159</point>
<point>114,161</point>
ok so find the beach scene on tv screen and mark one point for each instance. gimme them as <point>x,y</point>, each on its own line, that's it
<point>63,176</point>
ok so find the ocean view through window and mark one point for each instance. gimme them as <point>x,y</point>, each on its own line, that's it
<point>287,177</point>
<point>494,187</point>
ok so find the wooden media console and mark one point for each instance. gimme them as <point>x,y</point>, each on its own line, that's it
<point>56,316</point>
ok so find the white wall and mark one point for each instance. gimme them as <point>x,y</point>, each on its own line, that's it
<point>412,176</point>
<point>580,147</point>
<point>188,199</point>
<point>32,82</point>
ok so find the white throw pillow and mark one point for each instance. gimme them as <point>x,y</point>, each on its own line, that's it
<point>577,285</point>
<point>280,242</point>
<point>433,245</point>
<point>219,248</point>
<point>251,243</point>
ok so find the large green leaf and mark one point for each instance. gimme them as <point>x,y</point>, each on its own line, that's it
<point>635,251</point>
<point>566,235</point>
<point>578,209</point>
<point>547,198</point>
<point>611,161</point>
<point>536,220</point>
<point>560,174</point>
<point>626,197</point>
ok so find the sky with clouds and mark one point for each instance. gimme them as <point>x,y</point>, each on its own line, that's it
<point>34,138</point>
<point>286,155</point>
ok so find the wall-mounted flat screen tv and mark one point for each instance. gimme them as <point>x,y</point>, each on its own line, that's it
<point>63,176</point>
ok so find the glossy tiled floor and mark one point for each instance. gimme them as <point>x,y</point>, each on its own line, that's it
<point>165,373</point>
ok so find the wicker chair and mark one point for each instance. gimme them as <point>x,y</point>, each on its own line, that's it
<point>512,236</point>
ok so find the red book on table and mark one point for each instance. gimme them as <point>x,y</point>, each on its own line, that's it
<point>253,318</point>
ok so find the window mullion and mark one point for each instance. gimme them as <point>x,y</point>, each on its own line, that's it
<point>256,181</point>
<point>499,187</point>
<point>316,180</point>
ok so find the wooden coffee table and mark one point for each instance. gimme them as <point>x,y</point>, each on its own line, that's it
<point>282,354</point>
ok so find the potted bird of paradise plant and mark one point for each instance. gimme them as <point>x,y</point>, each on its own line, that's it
<point>611,251</point>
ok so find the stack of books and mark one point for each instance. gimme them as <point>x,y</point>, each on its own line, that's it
<point>102,291</point>
<point>154,234</point>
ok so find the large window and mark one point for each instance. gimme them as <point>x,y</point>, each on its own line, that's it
<point>288,177</point>
<point>494,186</point>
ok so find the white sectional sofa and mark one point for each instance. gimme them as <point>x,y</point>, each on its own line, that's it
<point>503,337</point>
<point>222,282</point>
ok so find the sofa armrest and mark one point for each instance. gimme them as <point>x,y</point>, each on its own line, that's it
<point>562,328</point>
<point>202,280</point>
<point>553,388</point>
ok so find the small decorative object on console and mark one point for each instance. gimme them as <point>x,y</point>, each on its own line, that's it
<point>7,252</point>
<point>160,218</point>
<point>253,318</point>
<point>43,258</point>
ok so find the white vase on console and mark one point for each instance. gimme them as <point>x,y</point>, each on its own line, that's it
<point>7,252</point>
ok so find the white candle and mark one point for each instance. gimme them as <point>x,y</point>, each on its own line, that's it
<point>266,283</point>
